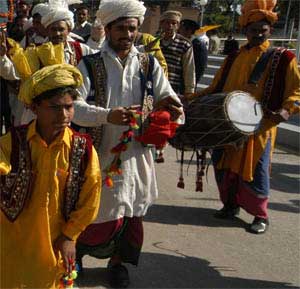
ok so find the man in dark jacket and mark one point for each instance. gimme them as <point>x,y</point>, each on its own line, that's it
<point>230,45</point>
<point>187,29</point>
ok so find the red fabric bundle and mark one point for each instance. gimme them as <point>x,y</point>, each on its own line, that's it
<point>160,129</point>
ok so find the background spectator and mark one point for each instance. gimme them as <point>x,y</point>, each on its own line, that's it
<point>82,26</point>
<point>187,29</point>
<point>230,45</point>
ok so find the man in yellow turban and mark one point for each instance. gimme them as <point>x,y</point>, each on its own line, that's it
<point>50,184</point>
<point>272,77</point>
<point>256,10</point>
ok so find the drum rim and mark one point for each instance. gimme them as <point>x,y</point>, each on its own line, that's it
<point>229,96</point>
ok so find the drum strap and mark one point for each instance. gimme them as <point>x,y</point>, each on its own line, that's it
<point>256,73</point>
<point>260,66</point>
<point>275,84</point>
<point>230,59</point>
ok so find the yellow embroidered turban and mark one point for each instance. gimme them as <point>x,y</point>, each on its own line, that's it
<point>256,10</point>
<point>48,78</point>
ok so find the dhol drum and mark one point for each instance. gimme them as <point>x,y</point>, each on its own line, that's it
<point>218,119</point>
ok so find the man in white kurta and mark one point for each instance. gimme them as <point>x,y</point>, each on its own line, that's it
<point>123,205</point>
<point>123,90</point>
<point>60,19</point>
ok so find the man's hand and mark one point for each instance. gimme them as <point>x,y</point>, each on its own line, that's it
<point>66,247</point>
<point>171,105</point>
<point>3,47</point>
<point>121,115</point>
<point>278,116</point>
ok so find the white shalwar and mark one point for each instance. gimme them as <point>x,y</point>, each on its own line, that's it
<point>136,189</point>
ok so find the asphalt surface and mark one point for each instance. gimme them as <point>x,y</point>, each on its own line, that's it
<point>186,247</point>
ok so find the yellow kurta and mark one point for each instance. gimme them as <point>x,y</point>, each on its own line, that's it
<point>243,161</point>
<point>27,257</point>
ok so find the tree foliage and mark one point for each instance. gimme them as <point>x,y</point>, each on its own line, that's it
<point>222,11</point>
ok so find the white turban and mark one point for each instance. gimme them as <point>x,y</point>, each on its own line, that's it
<point>41,9</point>
<point>56,14</point>
<point>111,10</point>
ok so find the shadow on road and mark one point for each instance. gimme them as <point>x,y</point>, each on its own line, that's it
<point>294,207</point>
<point>175,215</point>
<point>92,278</point>
<point>168,271</point>
<point>282,182</point>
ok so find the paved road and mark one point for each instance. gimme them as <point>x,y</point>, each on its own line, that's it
<point>185,247</point>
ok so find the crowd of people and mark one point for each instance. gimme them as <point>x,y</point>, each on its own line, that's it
<point>81,105</point>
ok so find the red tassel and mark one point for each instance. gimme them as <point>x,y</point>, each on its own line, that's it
<point>201,159</point>
<point>180,183</point>
<point>108,181</point>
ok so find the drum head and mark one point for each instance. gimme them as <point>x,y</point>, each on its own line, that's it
<point>244,112</point>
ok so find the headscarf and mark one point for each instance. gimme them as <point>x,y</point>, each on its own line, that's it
<point>58,14</point>
<point>111,10</point>
<point>257,10</point>
<point>41,9</point>
<point>172,15</point>
<point>48,78</point>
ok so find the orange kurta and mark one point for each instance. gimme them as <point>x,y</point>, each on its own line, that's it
<point>27,256</point>
<point>243,161</point>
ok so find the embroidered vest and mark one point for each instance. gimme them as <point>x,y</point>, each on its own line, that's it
<point>97,73</point>
<point>16,187</point>
<point>173,55</point>
<point>77,51</point>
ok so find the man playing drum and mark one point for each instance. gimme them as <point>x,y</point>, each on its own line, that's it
<point>272,77</point>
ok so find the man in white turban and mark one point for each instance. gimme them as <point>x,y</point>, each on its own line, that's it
<point>40,33</point>
<point>111,10</point>
<point>113,91</point>
<point>57,22</point>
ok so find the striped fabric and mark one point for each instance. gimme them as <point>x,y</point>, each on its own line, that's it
<point>173,53</point>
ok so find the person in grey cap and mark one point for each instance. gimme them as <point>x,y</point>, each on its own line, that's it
<point>179,55</point>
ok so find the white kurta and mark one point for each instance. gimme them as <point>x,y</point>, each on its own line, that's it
<point>136,189</point>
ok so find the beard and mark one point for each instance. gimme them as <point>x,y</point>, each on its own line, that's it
<point>121,44</point>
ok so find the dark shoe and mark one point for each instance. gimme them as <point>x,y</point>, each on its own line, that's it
<point>118,276</point>
<point>227,212</point>
<point>259,225</point>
